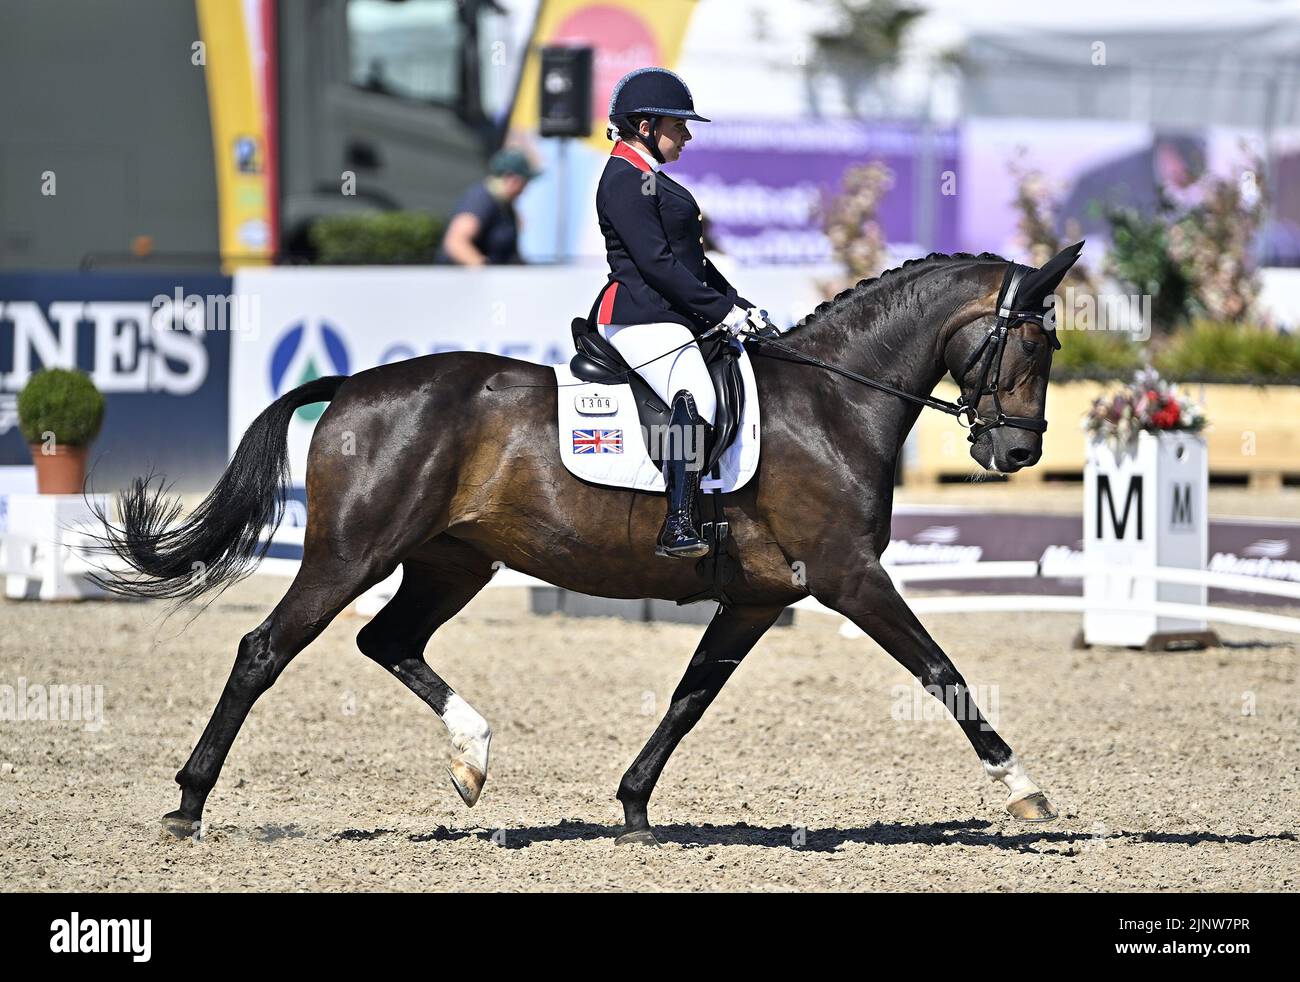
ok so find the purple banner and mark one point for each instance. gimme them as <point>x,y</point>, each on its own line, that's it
<point>1265,548</point>
<point>763,184</point>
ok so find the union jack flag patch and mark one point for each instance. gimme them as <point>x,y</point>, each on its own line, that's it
<point>597,441</point>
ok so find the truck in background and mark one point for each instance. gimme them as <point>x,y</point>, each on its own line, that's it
<point>107,142</point>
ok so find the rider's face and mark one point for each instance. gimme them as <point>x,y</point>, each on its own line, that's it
<point>672,136</point>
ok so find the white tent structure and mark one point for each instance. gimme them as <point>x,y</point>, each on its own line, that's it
<point>1167,62</point>
<point>1192,63</point>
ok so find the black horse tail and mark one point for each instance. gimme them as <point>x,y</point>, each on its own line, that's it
<point>220,541</point>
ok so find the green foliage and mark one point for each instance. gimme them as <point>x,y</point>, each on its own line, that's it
<point>1140,256</point>
<point>1214,350</point>
<point>62,402</point>
<point>376,238</point>
<point>872,32</point>
<point>1194,261</point>
<point>1096,354</point>
<point>865,40</point>
<point>1204,351</point>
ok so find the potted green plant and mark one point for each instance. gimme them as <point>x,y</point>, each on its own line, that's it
<point>60,413</point>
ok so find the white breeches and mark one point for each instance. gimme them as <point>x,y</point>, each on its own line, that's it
<point>683,369</point>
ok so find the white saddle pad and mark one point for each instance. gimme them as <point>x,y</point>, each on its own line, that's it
<point>601,439</point>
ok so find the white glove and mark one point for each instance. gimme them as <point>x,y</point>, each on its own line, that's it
<point>735,322</point>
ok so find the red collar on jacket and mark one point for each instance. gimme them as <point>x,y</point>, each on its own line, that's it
<point>621,149</point>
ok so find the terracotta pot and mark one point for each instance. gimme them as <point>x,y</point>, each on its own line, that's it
<point>61,472</point>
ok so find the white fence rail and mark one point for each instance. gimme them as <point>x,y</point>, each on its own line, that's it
<point>18,557</point>
<point>904,574</point>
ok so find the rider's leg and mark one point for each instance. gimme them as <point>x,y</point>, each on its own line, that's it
<point>681,379</point>
<point>665,370</point>
<point>684,448</point>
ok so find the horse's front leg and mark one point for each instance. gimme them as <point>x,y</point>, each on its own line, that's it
<point>730,636</point>
<point>867,596</point>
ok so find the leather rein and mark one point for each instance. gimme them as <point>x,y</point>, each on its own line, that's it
<point>988,357</point>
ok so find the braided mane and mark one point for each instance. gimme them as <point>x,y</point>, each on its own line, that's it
<point>863,286</point>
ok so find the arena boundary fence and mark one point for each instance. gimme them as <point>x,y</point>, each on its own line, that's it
<point>906,574</point>
<point>77,556</point>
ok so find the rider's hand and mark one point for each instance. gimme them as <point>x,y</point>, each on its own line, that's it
<point>735,322</point>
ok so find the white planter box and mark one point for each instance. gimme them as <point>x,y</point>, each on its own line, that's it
<point>1144,507</point>
<point>43,550</point>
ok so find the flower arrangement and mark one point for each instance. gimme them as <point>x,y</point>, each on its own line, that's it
<point>1148,404</point>
<point>849,220</point>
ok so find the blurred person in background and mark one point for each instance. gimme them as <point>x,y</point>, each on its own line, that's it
<point>484,228</point>
<point>662,292</point>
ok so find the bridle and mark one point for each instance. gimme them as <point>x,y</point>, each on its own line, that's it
<point>988,354</point>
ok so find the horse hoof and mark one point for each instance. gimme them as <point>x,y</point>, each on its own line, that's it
<point>181,826</point>
<point>1032,808</point>
<point>468,780</point>
<point>641,837</point>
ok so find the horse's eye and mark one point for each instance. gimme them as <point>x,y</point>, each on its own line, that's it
<point>1028,347</point>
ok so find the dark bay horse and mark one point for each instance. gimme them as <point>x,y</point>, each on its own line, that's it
<point>448,464</point>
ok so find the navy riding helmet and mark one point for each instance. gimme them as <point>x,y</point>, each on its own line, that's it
<point>652,92</point>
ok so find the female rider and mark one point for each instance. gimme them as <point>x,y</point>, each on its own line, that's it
<point>662,291</point>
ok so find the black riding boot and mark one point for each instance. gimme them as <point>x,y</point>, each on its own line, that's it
<point>683,472</point>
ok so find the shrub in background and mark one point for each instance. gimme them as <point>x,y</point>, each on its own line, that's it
<point>1140,256</point>
<point>849,221</point>
<point>376,238</point>
<point>1197,262</point>
<point>1210,351</point>
<point>1212,245</point>
<point>1096,354</point>
<point>63,402</point>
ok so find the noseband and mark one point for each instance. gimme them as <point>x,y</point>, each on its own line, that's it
<point>988,355</point>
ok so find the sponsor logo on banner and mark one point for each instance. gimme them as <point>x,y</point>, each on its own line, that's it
<point>1268,548</point>
<point>323,322</point>
<point>1263,558</point>
<point>1273,569</point>
<point>135,345</point>
<point>156,346</point>
<point>307,351</point>
<point>935,544</point>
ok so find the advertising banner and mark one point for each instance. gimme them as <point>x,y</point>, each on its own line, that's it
<point>239,63</point>
<point>1084,167</point>
<point>342,321</point>
<point>1265,548</point>
<point>148,346</point>
<point>764,187</point>
<point>624,35</point>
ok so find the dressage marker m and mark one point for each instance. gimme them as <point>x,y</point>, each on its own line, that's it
<point>457,467</point>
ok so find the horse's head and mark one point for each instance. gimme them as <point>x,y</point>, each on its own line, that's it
<point>1002,362</point>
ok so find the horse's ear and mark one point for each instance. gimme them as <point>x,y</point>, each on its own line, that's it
<point>1043,281</point>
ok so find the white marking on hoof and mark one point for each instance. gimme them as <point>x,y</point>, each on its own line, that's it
<point>1013,775</point>
<point>470,733</point>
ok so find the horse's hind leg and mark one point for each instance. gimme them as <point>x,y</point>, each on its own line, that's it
<point>436,583</point>
<point>323,587</point>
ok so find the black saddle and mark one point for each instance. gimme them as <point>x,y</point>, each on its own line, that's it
<point>599,361</point>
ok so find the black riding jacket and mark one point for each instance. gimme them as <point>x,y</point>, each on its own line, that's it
<point>654,240</point>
